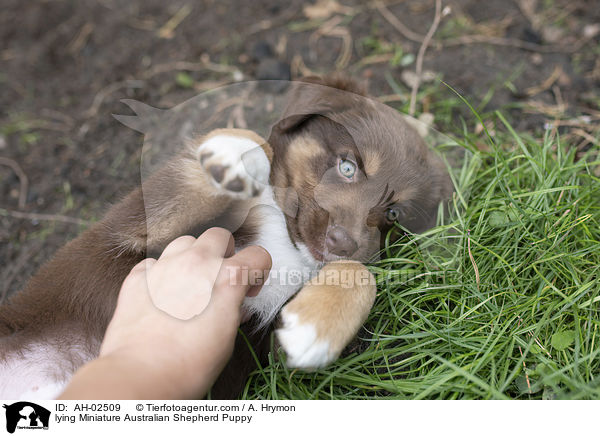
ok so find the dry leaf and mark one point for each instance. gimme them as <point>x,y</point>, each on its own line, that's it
<point>322,9</point>
<point>410,78</point>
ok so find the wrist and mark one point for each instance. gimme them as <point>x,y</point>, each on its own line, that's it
<point>116,376</point>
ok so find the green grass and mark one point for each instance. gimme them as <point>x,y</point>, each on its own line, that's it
<point>527,325</point>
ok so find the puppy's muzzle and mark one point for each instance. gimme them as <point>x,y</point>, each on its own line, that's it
<point>339,242</point>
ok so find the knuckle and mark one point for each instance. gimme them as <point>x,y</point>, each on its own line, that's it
<point>182,240</point>
<point>197,256</point>
<point>218,232</point>
<point>186,238</point>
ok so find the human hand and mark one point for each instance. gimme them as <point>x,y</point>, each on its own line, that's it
<point>177,317</point>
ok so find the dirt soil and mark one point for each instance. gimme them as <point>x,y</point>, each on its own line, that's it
<point>65,66</point>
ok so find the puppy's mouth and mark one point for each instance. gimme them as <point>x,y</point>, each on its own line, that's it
<point>319,251</point>
<point>324,255</point>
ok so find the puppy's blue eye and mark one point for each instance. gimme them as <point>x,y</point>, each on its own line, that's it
<point>347,168</point>
<point>392,215</point>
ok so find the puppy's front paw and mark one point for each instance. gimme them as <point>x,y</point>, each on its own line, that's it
<point>236,162</point>
<point>303,346</point>
<point>326,314</point>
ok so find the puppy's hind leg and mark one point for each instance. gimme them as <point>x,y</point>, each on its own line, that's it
<point>326,314</point>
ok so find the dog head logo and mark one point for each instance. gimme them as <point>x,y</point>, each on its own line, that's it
<point>26,415</point>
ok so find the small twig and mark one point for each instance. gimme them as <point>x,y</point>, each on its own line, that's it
<point>391,97</point>
<point>524,366</point>
<point>23,180</point>
<point>585,135</point>
<point>298,67</point>
<point>9,273</point>
<point>325,28</point>
<point>166,31</point>
<point>80,40</point>
<point>107,90</point>
<point>219,110</point>
<point>238,118</point>
<point>346,52</point>
<point>591,112</point>
<point>43,217</point>
<point>373,59</point>
<point>528,11</point>
<point>398,25</point>
<point>560,102</point>
<point>206,85</point>
<point>571,123</point>
<point>525,369</point>
<point>553,111</point>
<point>421,54</point>
<point>477,39</point>
<point>517,43</point>
<point>64,119</point>
<point>546,84</point>
<point>263,25</point>
<point>472,258</point>
<point>204,64</point>
<point>531,334</point>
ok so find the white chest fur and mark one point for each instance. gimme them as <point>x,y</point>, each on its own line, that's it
<point>243,158</point>
<point>291,266</point>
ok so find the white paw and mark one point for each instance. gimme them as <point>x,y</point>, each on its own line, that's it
<point>301,344</point>
<point>236,165</point>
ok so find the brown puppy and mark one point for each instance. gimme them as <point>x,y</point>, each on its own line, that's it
<point>339,172</point>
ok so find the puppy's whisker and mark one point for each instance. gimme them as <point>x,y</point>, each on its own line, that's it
<point>422,213</point>
<point>389,197</point>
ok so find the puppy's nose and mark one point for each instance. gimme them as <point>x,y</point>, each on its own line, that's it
<point>339,242</point>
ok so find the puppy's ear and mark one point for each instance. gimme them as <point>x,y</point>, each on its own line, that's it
<point>338,81</point>
<point>288,124</point>
<point>439,192</point>
<point>445,188</point>
<point>313,96</point>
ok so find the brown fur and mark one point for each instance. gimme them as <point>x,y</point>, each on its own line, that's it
<point>323,122</point>
<point>77,289</point>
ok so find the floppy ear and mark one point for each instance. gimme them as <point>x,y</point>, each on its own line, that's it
<point>338,81</point>
<point>286,125</point>
<point>313,96</point>
<point>443,183</point>
<point>305,101</point>
<point>439,192</point>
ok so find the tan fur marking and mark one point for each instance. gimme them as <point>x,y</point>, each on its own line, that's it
<point>372,162</point>
<point>406,194</point>
<point>300,151</point>
<point>304,148</point>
